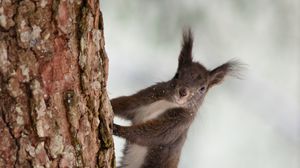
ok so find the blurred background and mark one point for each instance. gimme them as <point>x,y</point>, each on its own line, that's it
<point>249,123</point>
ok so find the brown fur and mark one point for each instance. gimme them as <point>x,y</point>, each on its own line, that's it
<point>165,135</point>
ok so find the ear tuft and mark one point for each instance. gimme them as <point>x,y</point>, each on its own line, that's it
<point>230,68</point>
<point>185,56</point>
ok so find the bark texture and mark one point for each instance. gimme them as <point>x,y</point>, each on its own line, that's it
<point>54,108</point>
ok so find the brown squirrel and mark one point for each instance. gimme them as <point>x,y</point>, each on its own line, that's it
<point>162,114</point>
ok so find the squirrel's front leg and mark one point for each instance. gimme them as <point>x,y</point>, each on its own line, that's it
<point>123,107</point>
<point>159,131</point>
<point>126,106</point>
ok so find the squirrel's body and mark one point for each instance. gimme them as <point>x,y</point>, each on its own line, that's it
<point>157,103</point>
<point>165,155</point>
<point>162,114</point>
<point>137,155</point>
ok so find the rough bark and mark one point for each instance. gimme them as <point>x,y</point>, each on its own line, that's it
<point>54,108</point>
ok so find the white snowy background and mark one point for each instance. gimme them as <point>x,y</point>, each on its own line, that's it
<point>249,123</point>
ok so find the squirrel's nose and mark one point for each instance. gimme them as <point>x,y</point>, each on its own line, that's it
<point>182,92</point>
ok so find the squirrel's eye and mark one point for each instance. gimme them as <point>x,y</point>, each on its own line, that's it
<point>176,75</point>
<point>199,77</point>
<point>202,89</point>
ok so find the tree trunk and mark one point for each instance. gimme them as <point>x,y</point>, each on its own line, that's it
<point>54,108</point>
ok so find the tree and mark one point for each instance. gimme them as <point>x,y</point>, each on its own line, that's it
<point>54,108</point>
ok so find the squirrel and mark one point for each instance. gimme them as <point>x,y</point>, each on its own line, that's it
<point>162,114</point>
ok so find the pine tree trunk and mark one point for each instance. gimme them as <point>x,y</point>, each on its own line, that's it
<point>54,108</point>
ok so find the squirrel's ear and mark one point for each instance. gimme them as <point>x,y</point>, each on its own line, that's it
<point>217,75</point>
<point>185,56</point>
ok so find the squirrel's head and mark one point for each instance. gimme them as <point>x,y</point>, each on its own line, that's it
<point>192,80</point>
